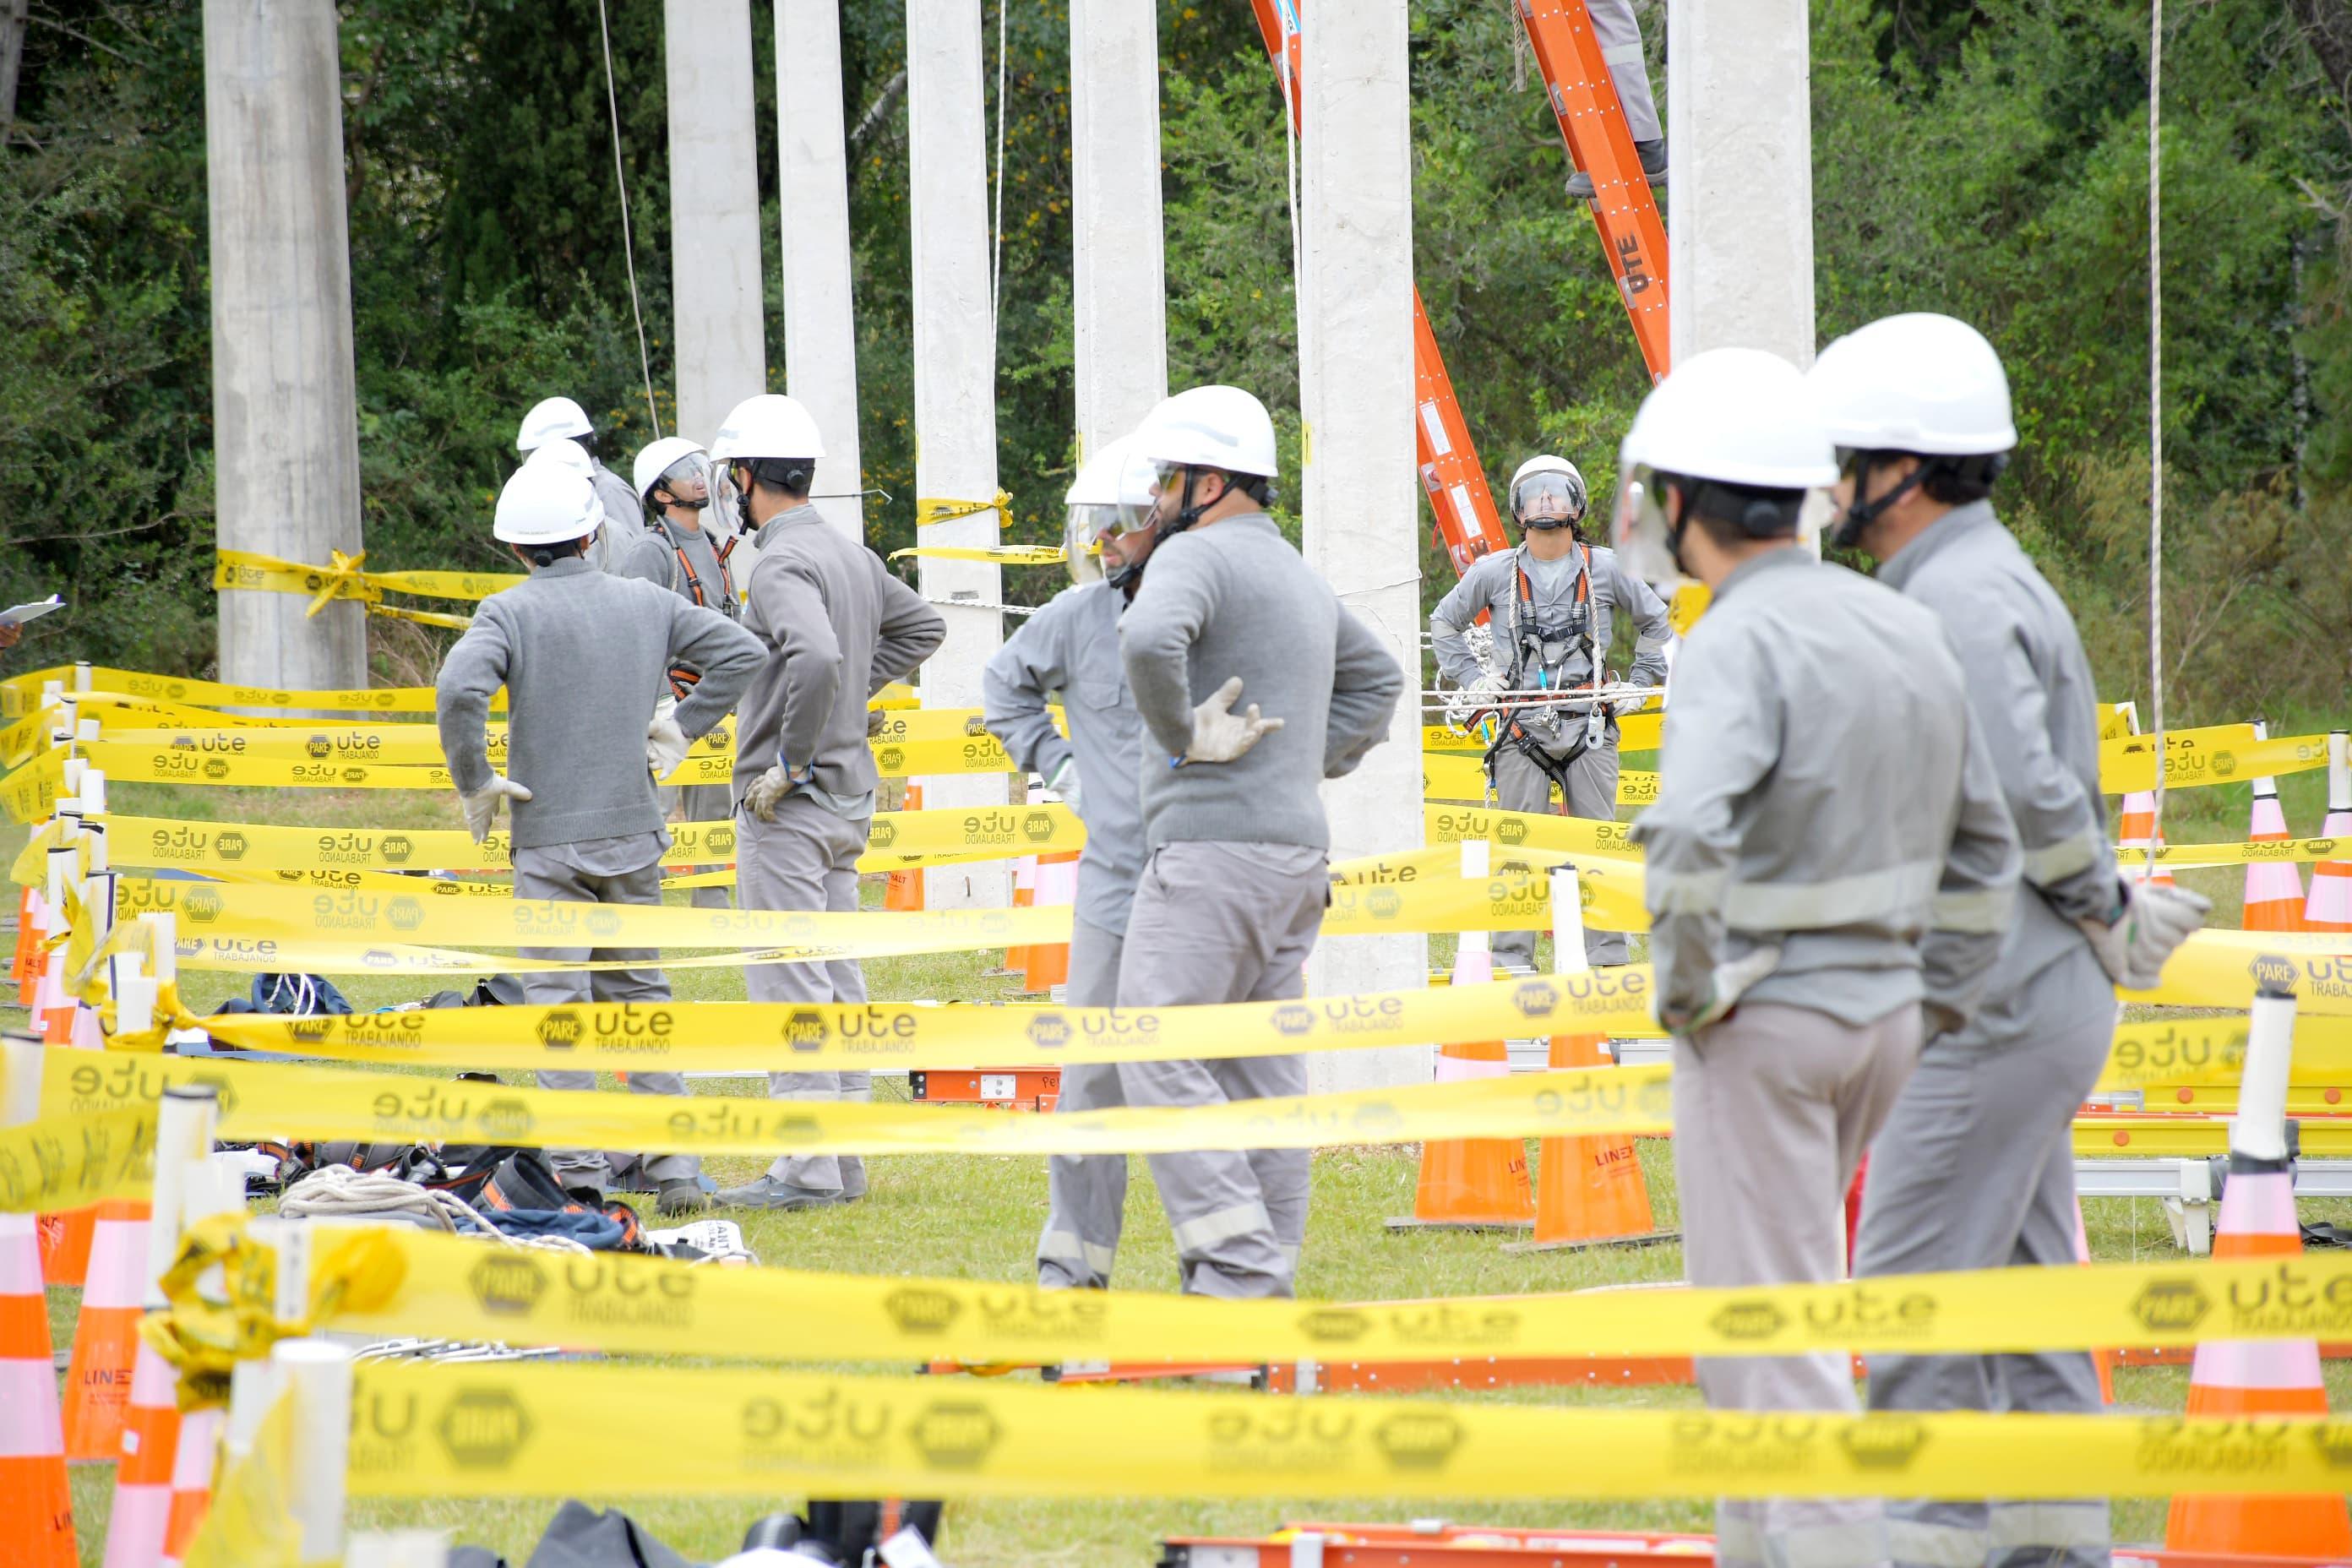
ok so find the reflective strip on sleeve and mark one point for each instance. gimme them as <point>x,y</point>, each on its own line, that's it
<point>1985,910</point>
<point>2067,858</point>
<point>1197,1237</point>
<point>1684,892</point>
<point>1843,901</point>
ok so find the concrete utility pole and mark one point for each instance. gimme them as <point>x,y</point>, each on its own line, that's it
<point>1361,493</point>
<point>1740,210</point>
<point>716,291</point>
<point>285,416</point>
<point>955,388</point>
<point>820,320</point>
<point>1119,285</point>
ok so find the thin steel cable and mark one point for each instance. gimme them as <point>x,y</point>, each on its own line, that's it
<point>996,257</point>
<point>628,247</point>
<point>2156,414</point>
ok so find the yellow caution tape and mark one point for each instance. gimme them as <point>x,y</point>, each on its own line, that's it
<point>1448,776</point>
<point>915,758</point>
<point>18,692</point>
<point>267,1100</point>
<point>2220,969</point>
<point>33,791</point>
<point>2197,1052</point>
<point>397,1281</point>
<point>2194,1136</point>
<point>734,1036</point>
<point>71,1163</point>
<point>1689,605</point>
<point>251,1522</point>
<point>2183,856</point>
<point>508,1430</point>
<point>411,746</point>
<point>2220,754</point>
<point>343,577</point>
<point>933,510</point>
<point>1635,733</point>
<point>942,723</point>
<point>998,555</point>
<point>1446,824</point>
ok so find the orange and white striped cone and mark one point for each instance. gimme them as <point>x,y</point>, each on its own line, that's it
<point>141,1517</point>
<point>2329,907</point>
<point>1025,893</point>
<point>30,921</point>
<point>36,1528</point>
<point>65,1244</point>
<point>2137,833</point>
<point>192,1482</point>
<point>1473,1181</point>
<point>2274,888</point>
<point>1587,1190</point>
<point>904,889</point>
<point>1048,963</point>
<point>106,1339</point>
<point>2257,1380</point>
<point>2104,1359</point>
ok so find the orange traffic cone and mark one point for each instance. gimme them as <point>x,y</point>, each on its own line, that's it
<point>2137,833</point>
<point>141,1516</point>
<point>1472,1182</point>
<point>65,1244</point>
<point>2329,906</point>
<point>2257,1380</point>
<point>192,1482</point>
<point>36,1528</point>
<point>106,1339</point>
<point>2274,888</point>
<point>2104,1359</point>
<point>904,889</point>
<point>28,942</point>
<point>1048,964</point>
<point>1025,893</point>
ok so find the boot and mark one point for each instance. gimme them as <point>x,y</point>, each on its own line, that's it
<point>682,1195</point>
<point>1653,163</point>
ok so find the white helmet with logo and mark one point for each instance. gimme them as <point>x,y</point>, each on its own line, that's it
<point>550,419</point>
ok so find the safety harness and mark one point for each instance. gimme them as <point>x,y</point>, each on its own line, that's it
<point>683,679</point>
<point>1510,731</point>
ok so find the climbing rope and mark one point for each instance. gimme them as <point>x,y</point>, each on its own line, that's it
<point>628,247</point>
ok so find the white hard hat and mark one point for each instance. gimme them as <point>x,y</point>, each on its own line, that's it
<point>1553,475</point>
<point>769,426</point>
<point>1918,383</point>
<point>1208,427</point>
<point>562,452</point>
<point>1112,494</point>
<point>546,504</point>
<point>657,458</point>
<point>549,418</point>
<point>1740,417</point>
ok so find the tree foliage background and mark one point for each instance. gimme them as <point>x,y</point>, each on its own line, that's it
<point>1984,157</point>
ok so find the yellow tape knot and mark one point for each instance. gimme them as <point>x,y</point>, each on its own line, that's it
<point>339,579</point>
<point>933,510</point>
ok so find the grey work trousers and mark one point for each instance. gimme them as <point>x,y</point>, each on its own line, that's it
<point>1085,1195</point>
<point>702,802</point>
<point>540,875</point>
<point>806,860</point>
<point>1215,922</point>
<point>1619,36</point>
<point>1975,1169</point>
<point>1773,1107</point>
<point>1521,785</point>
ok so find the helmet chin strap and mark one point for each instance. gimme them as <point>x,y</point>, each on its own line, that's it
<point>1861,514</point>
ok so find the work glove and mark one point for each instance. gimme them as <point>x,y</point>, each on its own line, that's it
<point>1466,702</point>
<point>2150,922</point>
<point>1624,705</point>
<point>482,805</point>
<point>1222,736</point>
<point>769,788</point>
<point>665,746</point>
<point>1064,782</point>
<point>875,719</point>
<point>1726,982</point>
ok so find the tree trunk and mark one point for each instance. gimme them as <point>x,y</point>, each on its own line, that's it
<point>2327,24</point>
<point>13,14</point>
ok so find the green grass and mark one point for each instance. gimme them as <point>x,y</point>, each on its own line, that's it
<point>978,1219</point>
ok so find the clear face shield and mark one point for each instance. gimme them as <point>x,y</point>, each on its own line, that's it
<point>689,482</point>
<point>1549,501</point>
<point>1639,531</point>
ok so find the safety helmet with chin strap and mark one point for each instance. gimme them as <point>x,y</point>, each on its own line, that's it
<point>1222,429</point>
<point>676,458</point>
<point>1921,386</point>
<point>1548,477</point>
<point>544,504</point>
<point>776,437</point>
<point>1111,497</point>
<point>1739,421</point>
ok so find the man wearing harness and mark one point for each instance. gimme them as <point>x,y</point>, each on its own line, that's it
<point>675,480</point>
<point>1548,604</point>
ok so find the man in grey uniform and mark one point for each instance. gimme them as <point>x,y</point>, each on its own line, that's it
<point>1828,858</point>
<point>1977,1167</point>
<point>1231,899</point>
<point>580,654</point>
<point>555,420</point>
<point>674,477</point>
<point>1551,605</point>
<point>1071,646</point>
<point>838,627</point>
<point>1619,34</point>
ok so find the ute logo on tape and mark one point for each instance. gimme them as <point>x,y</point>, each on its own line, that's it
<point>2174,1304</point>
<point>976,726</point>
<point>892,758</point>
<point>484,1428</point>
<point>1420,1443</point>
<point>215,767</point>
<point>1292,1020</point>
<point>805,1029</point>
<point>230,843</point>
<point>1335,1325</point>
<point>404,913</point>
<point>1884,1442</point>
<point>1049,1031</point>
<point>320,747</point>
<point>955,1434</point>
<point>2270,969</point>
<point>1749,1321</point>
<point>882,834</point>
<point>561,1030</point>
<point>919,1310</point>
<point>507,1284</point>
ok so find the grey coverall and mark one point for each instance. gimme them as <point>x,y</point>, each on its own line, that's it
<point>624,520</point>
<point>1071,646</point>
<point>1569,611</point>
<point>683,561</point>
<point>1975,1166</point>
<point>1823,791</point>
<point>579,653</point>
<point>1615,28</point>
<point>1232,893</point>
<point>839,627</point>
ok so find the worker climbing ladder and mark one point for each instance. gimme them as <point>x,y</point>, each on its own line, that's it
<point>1584,101</point>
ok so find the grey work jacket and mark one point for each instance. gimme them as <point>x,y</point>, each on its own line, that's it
<point>1071,646</point>
<point>625,521</point>
<point>1492,584</point>
<point>1822,787</point>
<point>2030,690</point>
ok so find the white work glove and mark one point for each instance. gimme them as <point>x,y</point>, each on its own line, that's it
<point>2152,922</point>
<point>1065,782</point>
<point>665,746</point>
<point>1464,703</point>
<point>482,805</point>
<point>1624,705</point>
<point>1222,736</point>
<point>767,790</point>
<point>1726,984</point>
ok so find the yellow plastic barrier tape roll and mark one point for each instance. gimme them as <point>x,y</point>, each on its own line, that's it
<point>260,1101</point>
<point>732,1037</point>
<point>507,1430</point>
<point>70,1162</point>
<point>344,578</point>
<point>997,554</point>
<point>397,1281</point>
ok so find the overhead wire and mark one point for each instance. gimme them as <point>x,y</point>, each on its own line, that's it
<point>628,247</point>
